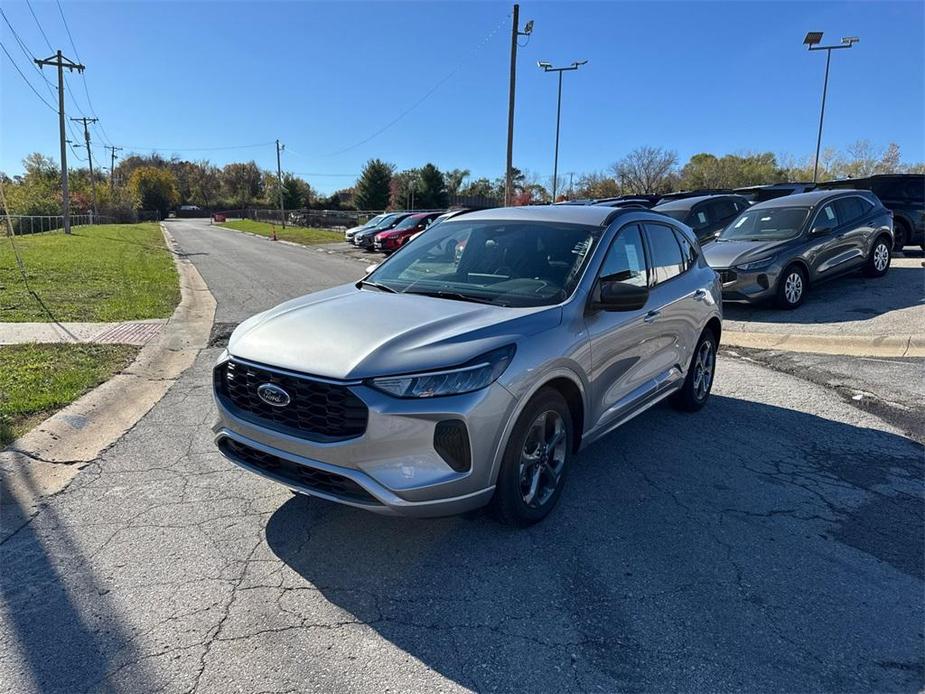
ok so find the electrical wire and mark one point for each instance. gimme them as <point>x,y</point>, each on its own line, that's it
<point>196,149</point>
<point>30,56</point>
<point>425,96</point>
<point>97,126</point>
<point>26,80</point>
<point>39,25</point>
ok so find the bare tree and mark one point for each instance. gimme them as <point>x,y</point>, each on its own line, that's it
<point>646,170</point>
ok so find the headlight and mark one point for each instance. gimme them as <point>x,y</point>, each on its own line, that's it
<point>755,265</point>
<point>473,375</point>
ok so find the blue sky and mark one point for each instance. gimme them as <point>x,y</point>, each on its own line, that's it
<point>691,76</point>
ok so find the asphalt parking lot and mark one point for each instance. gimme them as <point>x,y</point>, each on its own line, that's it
<point>771,542</point>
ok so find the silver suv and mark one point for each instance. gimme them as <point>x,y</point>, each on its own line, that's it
<point>471,365</point>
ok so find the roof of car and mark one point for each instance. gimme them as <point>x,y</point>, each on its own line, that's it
<point>687,203</point>
<point>592,215</point>
<point>808,199</point>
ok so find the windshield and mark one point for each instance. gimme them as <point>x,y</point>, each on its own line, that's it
<point>769,224</point>
<point>375,220</point>
<point>502,263</point>
<point>409,222</point>
<point>387,222</point>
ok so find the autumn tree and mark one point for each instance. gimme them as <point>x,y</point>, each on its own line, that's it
<point>153,188</point>
<point>646,170</point>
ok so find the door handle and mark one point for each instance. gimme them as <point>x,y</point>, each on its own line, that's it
<point>700,294</point>
<point>651,316</point>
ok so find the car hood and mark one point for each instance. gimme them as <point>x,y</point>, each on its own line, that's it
<point>349,333</point>
<point>723,254</point>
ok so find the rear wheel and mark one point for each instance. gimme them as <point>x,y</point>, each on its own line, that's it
<point>791,287</point>
<point>878,262</point>
<point>535,461</point>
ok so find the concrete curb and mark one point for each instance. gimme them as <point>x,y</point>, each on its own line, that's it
<point>845,345</point>
<point>45,460</point>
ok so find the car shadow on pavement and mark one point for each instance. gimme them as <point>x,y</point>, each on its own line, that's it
<point>672,560</point>
<point>849,298</point>
<point>66,632</point>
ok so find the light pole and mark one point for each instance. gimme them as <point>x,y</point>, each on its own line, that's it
<point>812,42</point>
<point>547,67</point>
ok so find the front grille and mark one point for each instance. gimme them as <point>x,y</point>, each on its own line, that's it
<point>296,474</point>
<point>727,276</point>
<point>316,411</point>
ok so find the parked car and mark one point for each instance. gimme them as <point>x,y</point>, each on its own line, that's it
<point>364,238</point>
<point>437,385</point>
<point>707,215</point>
<point>698,193</point>
<point>351,232</point>
<point>393,239</point>
<point>773,190</point>
<point>904,195</point>
<point>780,248</point>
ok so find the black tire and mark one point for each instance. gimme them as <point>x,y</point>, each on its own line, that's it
<point>878,260</point>
<point>510,503</point>
<point>791,287</point>
<point>900,235</point>
<point>697,385</point>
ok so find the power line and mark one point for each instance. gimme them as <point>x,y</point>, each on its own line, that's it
<point>197,149</point>
<point>425,96</point>
<point>39,25</point>
<point>83,76</point>
<point>30,56</point>
<point>25,79</point>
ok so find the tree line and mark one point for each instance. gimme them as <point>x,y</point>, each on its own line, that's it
<point>152,182</point>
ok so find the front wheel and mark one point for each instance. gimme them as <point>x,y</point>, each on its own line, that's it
<point>699,381</point>
<point>878,262</point>
<point>535,461</point>
<point>791,287</point>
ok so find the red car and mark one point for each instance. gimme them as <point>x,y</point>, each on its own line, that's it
<point>393,239</point>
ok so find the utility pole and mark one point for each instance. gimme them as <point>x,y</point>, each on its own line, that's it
<point>59,61</point>
<point>112,164</point>
<point>509,168</point>
<point>85,121</point>
<point>279,176</point>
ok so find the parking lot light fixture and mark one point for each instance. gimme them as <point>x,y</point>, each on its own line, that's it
<point>813,42</point>
<point>547,67</point>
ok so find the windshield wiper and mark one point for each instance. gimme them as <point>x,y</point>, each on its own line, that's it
<point>457,296</point>
<point>377,285</point>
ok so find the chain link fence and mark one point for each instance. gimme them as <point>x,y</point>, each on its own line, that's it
<point>23,224</point>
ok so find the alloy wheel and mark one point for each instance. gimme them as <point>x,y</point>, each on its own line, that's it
<point>793,287</point>
<point>542,458</point>
<point>703,369</point>
<point>881,256</point>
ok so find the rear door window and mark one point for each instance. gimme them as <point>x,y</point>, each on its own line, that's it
<point>665,258</point>
<point>688,254</point>
<point>849,209</point>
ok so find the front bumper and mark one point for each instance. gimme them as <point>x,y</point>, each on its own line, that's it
<point>393,462</point>
<point>748,287</point>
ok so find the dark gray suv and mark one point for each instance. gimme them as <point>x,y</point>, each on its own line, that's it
<point>779,248</point>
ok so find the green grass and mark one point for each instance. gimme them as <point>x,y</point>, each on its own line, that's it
<point>107,272</point>
<point>302,235</point>
<point>36,380</point>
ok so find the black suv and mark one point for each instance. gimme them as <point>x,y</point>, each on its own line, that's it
<point>707,215</point>
<point>903,195</point>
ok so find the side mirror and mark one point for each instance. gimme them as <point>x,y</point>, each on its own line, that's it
<point>820,231</point>
<point>370,268</point>
<point>620,296</point>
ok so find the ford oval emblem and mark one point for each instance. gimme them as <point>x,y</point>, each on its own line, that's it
<point>273,395</point>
